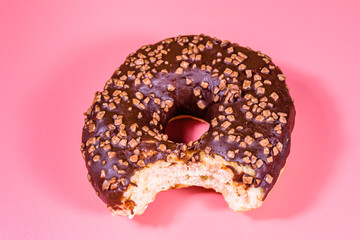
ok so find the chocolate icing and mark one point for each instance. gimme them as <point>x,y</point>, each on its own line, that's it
<point>238,91</point>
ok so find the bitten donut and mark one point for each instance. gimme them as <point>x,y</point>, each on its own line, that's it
<point>239,92</point>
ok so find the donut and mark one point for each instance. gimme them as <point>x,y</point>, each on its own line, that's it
<point>239,92</point>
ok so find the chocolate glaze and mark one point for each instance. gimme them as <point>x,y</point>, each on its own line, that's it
<point>125,127</point>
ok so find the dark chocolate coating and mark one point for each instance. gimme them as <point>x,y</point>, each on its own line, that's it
<point>238,91</point>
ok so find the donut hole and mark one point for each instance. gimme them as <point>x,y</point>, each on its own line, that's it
<point>184,128</point>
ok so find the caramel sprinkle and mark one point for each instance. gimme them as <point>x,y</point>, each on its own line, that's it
<point>92,128</point>
<point>269,178</point>
<point>100,115</point>
<point>201,104</point>
<point>230,154</point>
<point>171,88</point>
<point>162,147</point>
<point>249,140</point>
<point>111,154</point>
<point>197,92</point>
<point>134,158</point>
<point>204,84</point>
<point>264,142</point>
<point>247,179</point>
<point>274,96</point>
<point>96,158</point>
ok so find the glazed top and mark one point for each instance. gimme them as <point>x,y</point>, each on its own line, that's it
<point>238,91</point>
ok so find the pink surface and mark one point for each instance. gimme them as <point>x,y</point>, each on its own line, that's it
<point>54,55</point>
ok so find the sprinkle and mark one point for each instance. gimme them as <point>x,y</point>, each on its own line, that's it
<point>266,113</point>
<point>112,106</point>
<point>268,178</point>
<point>246,84</point>
<point>201,104</point>
<point>139,61</point>
<point>282,120</point>
<point>269,159</point>
<point>229,110</point>
<point>247,179</point>
<point>197,92</point>
<point>282,114</point>
<point>179,70</point>
<point>224,43</point>
<point>122,180</point>
<point>230,154</point>
<point>100,115</point>
<point>147,81</point>
<point>266,150</point>
<point>249,140</point>
<point>231,138</point>
<point>249,115</point>
<point>207,149</point>
<point>96,158</point>
<point>257,77</point>
<point>141,163</point>
<point>267,82</point>
<point>214,122</point>
<point>139,95</point>
<point>277,127</point>
<point>259,163</point>
<point>246,159</point>
<point>275,151</point>
<point>105,185</point>
<point>204,84</point>
<point>242,67</point>
<point>162,147</point>
<point>228,71</point>
<point>184,64</point>
<point>222,84</point>
<point>170,87</point>
<point>264,142</point>
<point>259,118</point>
<point>225,124</point>
<point>231,118</point>
<point>239,128</point>
<point>133,143</point>
<point>265,70</point>
<point>114,186</point>
<point>92,128</point>
<point>248,73</point>
<point>274,96</point>
<point>281,77</point>
<point>260,90</point>
<point>227,60</point>
<point>134,158</point>
<point>188,81</point>
<point>123,142</point>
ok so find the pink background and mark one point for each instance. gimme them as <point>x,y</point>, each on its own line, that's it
<point>54,55</point>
